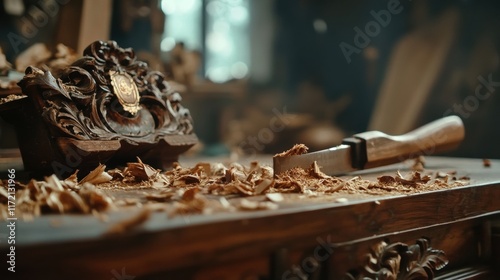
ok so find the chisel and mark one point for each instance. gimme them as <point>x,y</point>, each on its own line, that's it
<point>374,148</point>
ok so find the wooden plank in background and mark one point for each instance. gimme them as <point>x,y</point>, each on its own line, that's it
<point>82,22</point>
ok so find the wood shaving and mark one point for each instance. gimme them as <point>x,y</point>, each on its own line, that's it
<point>317,173</point>
<point>140,171</point>
<point>196,205</point>
<point>97,176</point>
<point>160,197</point>
<point>246,204</point>
<point>224,203</point>
<point>275,197</point>
<point>341,200</point>
<point>419,164</point>
<point>263,186</point>
<point>57,196</point>
<point>297,149</point>
<point>66,201</point>
<point>5,66</point>
<point>441,174</point>
<point>129,224</point>
<point>95,198</point>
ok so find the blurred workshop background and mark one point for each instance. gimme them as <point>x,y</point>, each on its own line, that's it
<point>261,75</point>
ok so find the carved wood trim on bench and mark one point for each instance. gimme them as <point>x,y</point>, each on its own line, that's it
<point>399,261</point>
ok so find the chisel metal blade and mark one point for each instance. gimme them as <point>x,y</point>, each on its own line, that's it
<point>333,161</point>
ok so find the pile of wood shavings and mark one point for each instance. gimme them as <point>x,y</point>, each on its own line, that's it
<point>313,183</point>
<point>53,196</point>
<point>11,97</point>
<point>205,188</point>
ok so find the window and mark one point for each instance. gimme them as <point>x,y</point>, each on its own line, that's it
<point>217,28</point>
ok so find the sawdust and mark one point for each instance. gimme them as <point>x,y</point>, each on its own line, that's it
<point>129,224</point>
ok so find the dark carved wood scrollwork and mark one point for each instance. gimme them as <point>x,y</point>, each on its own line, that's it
<point>108,95</point>
<point>399,261</point>
<point>106,107</point>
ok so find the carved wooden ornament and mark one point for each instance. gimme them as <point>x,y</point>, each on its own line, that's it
<point>107,95</point>
<point>105,106</point>
<point>399,261</point>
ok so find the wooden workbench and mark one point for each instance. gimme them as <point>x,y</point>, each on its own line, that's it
<point>320,239</point>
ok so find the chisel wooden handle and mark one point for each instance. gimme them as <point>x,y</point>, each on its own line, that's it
<point>382,149</point>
